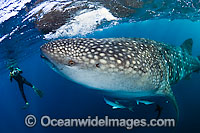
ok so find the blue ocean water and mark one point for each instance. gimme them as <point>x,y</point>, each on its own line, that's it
<point>66,99</point>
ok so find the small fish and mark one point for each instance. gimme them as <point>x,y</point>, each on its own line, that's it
<point>119,104</point>
<point>144,102</point>
<point>114,105</point>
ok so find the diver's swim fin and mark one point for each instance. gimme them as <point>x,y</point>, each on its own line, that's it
<point>38,92</point>
<point>26,106</point>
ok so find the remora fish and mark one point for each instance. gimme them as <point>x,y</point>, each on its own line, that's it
<point>123,67</point>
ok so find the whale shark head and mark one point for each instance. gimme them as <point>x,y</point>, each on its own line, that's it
<point>106,64</point>
<point>73,54</point>
<point>60,54</point>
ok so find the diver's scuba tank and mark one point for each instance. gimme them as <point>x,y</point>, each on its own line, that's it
<point>15,72</point>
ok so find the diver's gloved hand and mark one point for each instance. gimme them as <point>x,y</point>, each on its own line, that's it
<point>38,92</point>
<point>26,106</point>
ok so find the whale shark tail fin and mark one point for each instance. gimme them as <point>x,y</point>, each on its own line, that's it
<point>198,57</point>
<point>198,70</point>
<point>187,46</point>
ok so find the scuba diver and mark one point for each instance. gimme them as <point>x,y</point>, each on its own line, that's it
<point>16,74</point>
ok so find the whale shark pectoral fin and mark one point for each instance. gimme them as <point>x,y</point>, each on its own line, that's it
<point>167,91</point>
<point>144,102</point>
<point>159,110</point>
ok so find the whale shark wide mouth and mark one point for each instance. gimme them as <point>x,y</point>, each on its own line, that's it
<point>43,54</point>
<point>47,60</point>
<point>43,57</point>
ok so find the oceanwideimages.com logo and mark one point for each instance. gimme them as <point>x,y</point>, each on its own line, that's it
<point>46,121</point>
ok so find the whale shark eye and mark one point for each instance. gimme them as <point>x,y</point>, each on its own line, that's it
<point>71,63</point>
<point>97,65</point>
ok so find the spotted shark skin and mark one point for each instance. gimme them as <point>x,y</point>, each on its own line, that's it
<point>123,67</point>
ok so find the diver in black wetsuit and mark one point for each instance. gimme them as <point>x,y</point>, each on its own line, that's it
<point>16,74</point>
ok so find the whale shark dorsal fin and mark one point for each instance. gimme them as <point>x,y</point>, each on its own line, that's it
<point>187,46</point>
<point>167,91</point>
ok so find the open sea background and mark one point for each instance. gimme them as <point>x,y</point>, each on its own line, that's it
<point>66,99</point>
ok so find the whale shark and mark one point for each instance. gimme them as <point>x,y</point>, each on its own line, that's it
<point>123,68</point>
